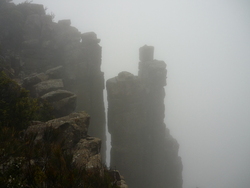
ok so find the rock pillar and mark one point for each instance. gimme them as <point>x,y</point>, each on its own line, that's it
<point>142,148</point>
<point>85,78</point>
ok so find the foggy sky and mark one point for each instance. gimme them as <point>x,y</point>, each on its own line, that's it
<point>206,45</point>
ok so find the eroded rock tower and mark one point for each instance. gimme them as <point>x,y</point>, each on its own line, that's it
<point>142,147</point>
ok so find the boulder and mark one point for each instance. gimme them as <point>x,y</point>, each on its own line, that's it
<point>55,73</point>
<point>71,128</point>
<point>72,132</point>
<point>47,86</point>
<point>33,79</point>
<point>87,152</point>
<point>62,101</point>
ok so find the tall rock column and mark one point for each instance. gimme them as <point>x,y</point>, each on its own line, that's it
<point>166,164</point>
<point>142,148</point>
<point>126,126</point>
<point>85,78</point>
<point>92,58</point>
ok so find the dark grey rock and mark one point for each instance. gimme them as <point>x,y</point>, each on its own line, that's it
<point>36,9</point>
<point>146,53</point>
<point>72,128</point>
<point>55,73</point>
<point>62,101</point>
<point>33,79</point>
<point>89,37</point>
<point>46,86</point>
<point>87,152</point>
<point>140,141</point>
<point>64,22</point>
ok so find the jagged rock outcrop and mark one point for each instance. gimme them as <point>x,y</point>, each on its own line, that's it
<point>49,86</point>
<point>73,131</point>
<point>72,128</point>
<point>58,63</point>
<point>142,147</point>
<point>46,57</point>
<point>87,152</point>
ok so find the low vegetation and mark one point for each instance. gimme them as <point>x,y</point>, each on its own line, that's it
<point>25,162</point>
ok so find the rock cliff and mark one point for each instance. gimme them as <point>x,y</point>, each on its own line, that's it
<point>72,131</point>
<point>54,61</point>
<point>142,147</point>
<point>61,65</point>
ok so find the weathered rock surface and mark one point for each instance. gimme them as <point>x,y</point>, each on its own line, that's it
<point>72,128</point>
<point>55,73</point>
<point>70,61</point>
<point>58,63</point>
<point>46,56</point>
<point>118,179</point>
<point>73,131</point>
<point>46,86</point>
<point>33,79</point>
<point>87,152</point>
<point>142,148</point>
<point>50,87</point>
<point>62,101</point>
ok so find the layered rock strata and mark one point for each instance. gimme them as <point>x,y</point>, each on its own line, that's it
<point>142,147</point>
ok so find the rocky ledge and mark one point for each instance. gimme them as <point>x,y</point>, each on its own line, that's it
<point>72,131</point>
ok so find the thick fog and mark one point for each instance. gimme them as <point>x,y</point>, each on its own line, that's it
<point>206,45</point>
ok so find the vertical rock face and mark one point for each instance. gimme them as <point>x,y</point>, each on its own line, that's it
<point>83,77</point>
<point>142,148</point>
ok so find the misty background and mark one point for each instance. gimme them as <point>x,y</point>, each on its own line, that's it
<point>206,45</point>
